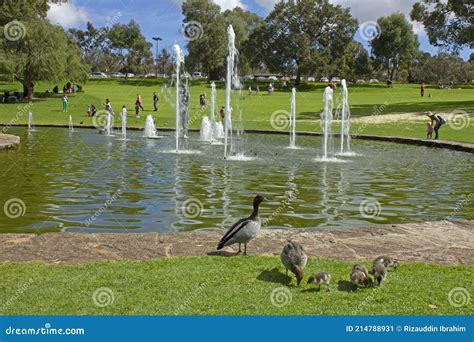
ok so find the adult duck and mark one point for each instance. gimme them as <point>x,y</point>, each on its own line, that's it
<point>294,259</point>
<point>244,230</point>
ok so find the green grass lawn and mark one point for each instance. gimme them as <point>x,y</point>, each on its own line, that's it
<point>217,285</point>
<point>365,100</point>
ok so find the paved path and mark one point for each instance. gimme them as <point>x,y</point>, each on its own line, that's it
<point>434,242</point>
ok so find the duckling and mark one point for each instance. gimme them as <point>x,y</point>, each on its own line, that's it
<point>243,230</point>
<point>360,279</point>
<point>387,261</point>
<point>361,268</point>
<point>294,259</point>
<point>379,272</point>
<point>319,279</point>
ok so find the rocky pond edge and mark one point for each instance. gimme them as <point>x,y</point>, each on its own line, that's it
<point>441,242</point>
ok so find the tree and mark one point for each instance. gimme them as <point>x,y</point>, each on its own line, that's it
<point>244,24</point>
<point>396,46</point>
<point>205,29</point>
<point>165,63</point>
<point>32,49</point>
<point>304,37</point>
<point>94,45</point>
<point>129,43</point>
<point>449,24</point>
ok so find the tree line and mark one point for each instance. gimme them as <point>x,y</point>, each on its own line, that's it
<point>303,38</point>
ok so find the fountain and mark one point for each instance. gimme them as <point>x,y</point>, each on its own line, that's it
<point>293,119</point>
<point>326,120</point>
<point>343,111</point>
<point>206,133</point>
<point>108,124</point>
<point>217,127</point>
<point>71,125</point>
<point>231,74</point>
<point>124,125</point>
<point>31,125</point>
<point>150,128</point>
<point>232,80</point>
<point>211,130</point>
<point>179,61</point>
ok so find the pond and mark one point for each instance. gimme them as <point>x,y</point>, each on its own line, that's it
<point>88,182</point>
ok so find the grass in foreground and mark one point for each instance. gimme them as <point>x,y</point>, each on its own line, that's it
<point>223,286</point>
<point>365,100</point>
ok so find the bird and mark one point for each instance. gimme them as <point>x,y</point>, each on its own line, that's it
<point>319,279</point>
<point>361,268</point>
<point>294,259</point>
<point>244,230</point>
<point>387,261</point>
<point>360,279</point>
<point>379,272</point>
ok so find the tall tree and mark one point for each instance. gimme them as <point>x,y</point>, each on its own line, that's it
<point>165,63</point>
<point>205,29</point>
<point>131,45</point>
<point>396,46</point>
<point>94,45</point>
<point>32,49</point>
<point>449,24</point>
<point>304,37</point>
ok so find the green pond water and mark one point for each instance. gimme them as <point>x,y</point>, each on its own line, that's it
<point>85,181</point>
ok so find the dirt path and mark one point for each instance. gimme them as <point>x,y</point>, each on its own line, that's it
<point>433,242</point>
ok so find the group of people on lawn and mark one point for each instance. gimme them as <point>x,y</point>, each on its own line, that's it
<point>92,109</point>
<point>434,125</point>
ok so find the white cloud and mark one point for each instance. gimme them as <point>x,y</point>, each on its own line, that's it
<point>230,4</point>
<point>67,15</point>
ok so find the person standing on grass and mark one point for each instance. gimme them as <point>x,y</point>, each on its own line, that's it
<point>108,107</point>
<point>139,101</point>
<point>422,89</point>
<point>155,101</point>
<point>429,130</point>
<point>436,122</point>
<point>65,103</point>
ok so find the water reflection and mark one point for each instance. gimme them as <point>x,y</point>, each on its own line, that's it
<point>90,182</point>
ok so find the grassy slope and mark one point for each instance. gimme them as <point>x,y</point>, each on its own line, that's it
<point>256,110</point>
<point>215,285</point>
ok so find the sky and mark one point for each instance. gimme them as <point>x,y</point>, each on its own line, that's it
<point>163,18</point>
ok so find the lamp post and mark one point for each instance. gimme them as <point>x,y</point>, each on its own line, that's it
<point>157,40</point>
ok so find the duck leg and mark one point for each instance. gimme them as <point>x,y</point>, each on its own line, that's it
<point>240,249</point>
<point>245,249</point>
